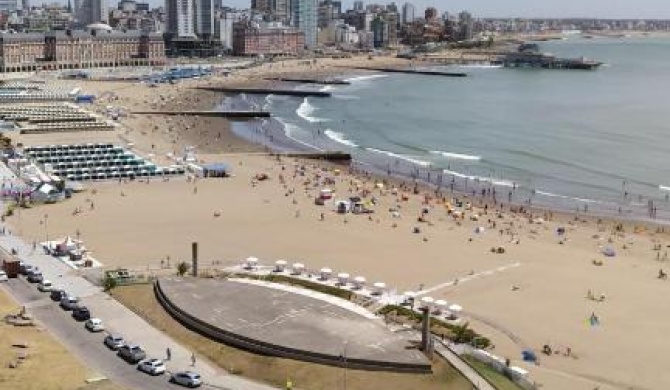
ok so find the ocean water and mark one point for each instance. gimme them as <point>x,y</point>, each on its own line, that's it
<point>567,139</point>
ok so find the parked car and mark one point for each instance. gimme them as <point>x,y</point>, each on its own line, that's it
<point>3,276</point>
<point>94,325</point>
<point>114,342</point>
<point>152,366</point>
<point>35,276</point>
<point>57,295</point>
<point>45,286</point>
<point>131,353</point>
<point>25,269</point>
<point>81,313</point>
<point>69,302</point>
<point>186,378</point>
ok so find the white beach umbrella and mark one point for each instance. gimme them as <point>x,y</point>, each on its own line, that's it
<point>441,304</point>
<point>378,287</point>
<point>280,265</point>
<point>455,308</point>
<point>298,268</point>
<point>359,281</point>
<point>427,302</point>
<point>343,278</point>
<point>251,262</point>
<point>325,273</point>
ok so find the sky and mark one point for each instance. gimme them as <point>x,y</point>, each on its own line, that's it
<point>619,9</point>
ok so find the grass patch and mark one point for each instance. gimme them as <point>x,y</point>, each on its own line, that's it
<point>498,380</point>
<point>141,299</point>
<point>283,279</point>
<point>456,333</point>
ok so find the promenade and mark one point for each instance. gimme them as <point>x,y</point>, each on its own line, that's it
<point>117,319</point>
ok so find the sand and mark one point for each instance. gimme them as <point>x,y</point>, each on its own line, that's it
<point>533,294</point>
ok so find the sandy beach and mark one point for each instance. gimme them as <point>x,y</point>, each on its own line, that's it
<point>535,293</point>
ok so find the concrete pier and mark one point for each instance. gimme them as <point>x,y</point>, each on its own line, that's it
<point>217,114</point>
<point>309,81</point>
<point>267,91</point>
<point>415,71</point>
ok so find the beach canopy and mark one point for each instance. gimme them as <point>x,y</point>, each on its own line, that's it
<point>441,303</point>
<point>379,285</point>
<point>409,294</point>
<point>298,266</point>
<point>455,308</point>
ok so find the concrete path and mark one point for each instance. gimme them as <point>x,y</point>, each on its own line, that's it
<point>116,317</point>
<point>473,376</point>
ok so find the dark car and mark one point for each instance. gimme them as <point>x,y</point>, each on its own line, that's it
<point>35,277</point>
<point>131,353</point>
<point>24,269</point>
<point>81,313</point>
<point>57,295</point>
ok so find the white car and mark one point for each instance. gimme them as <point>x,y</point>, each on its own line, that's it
<point>95,325</point>
<point>3,276</point>
<point>152,366</point>
<point>45,286</point>
<point>186,378</point>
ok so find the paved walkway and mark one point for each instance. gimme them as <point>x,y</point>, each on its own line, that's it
<point>473,376</point>
<point>118,318</point>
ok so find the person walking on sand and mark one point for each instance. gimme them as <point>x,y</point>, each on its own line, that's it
<point>192,359</point>
<point>168,353</point>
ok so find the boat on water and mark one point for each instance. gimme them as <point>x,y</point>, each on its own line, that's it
<point>528,55</point>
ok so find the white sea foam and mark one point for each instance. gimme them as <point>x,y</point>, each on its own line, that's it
<point>306,110</point>
<point>400,156</point>
<point>340,138</point>
<point>365,78</point>
<point>552,195</point>
<point>346,97</point>
<point>494,181</point>
<point>456,156</point>
<point>664,188</point>
<point>480,66</point>
<point>290,130</point>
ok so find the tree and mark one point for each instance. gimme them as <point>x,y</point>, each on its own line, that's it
<point>182,268</point>
<point>109,283</point>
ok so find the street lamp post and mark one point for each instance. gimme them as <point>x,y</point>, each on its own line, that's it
<point>46,228</point>
<point>344,361</point>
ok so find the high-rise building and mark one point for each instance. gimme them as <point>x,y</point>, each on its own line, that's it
<point>92,11</point>
<point>180,18</point>
<point>408,13</point>
<point>281,10</point>
<point>359,5</point>
<point>305,19</point>
<point>430,14</point>
<point>380,32</point>
<point>10,5</point>
<point>204,19</point>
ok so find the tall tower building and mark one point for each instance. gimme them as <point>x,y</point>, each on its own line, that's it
<point>204,18</point>
<point>180,18</point>
<point>408,13</point>
<point>358,5</point>
<point>92,11</point>
<point>305,18</point>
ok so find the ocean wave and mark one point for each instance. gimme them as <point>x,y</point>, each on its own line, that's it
<point>365,78</point>
<point>290,129</point>
<point>346,97</point>
<point>400,156</point>
<point>456,156</point>
<point>480,66</point>
<point>664,188</point>
<point>552,195</point>
<point>327,88</point>
<point>494,181</point>
<point>339,138</point>
<point>306,110</point>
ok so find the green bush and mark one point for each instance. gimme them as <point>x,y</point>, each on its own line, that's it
<point>456,333</point>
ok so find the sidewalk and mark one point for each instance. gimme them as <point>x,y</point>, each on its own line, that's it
<point>119,319</point>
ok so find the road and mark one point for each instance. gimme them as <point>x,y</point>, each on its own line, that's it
<point>87,346</point>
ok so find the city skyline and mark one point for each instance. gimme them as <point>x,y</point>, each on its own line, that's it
<point>614,9</point>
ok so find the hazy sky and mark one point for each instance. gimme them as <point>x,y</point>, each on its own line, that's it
<point>657,9</point>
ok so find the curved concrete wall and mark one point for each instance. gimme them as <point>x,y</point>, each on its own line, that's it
<point>265,348</point>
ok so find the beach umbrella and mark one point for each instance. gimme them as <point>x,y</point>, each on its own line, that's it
<point>325,273</point>
<point>359,281</point>
<point>427,302</point>
<point>343,278</point>
<point>479,229</point>
<point>251,262</point>
<point>441,304</point>
<point>378,287</point>
<point>298,268</point>
<point>455,308</point>
<point>280,265</point>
